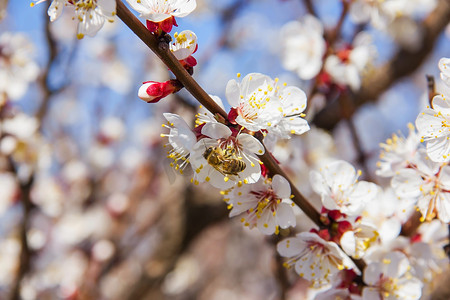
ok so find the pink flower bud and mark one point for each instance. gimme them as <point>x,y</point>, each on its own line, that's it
<point>152,91</point>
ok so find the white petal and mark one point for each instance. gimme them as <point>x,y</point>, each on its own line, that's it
<point>250,143</point>
<point>216,130</point>
<point>285,216</point>
<point>107,7</point>
<point>290,247</point>
<point>407,183</point>
<point>294,100</point>
<point>184,7</point>
<point>266,223</point>
<point>318,183</point>
<point>443,207</point>
<point>253,81</point>
<point>281,186</point>
<point>55,9</point>
<point>371,293</point>
<point>339,175</point>
<point>372,273</point>
<point>233,93</point>
<point>348,243</point>
<point>439,149</point>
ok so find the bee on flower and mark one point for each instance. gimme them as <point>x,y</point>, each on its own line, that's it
<point>225,157</point>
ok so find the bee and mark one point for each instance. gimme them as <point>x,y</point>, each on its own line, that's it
<point>224,161</point>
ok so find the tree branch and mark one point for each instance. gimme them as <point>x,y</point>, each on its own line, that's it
<point>194,88</point>
<point>162,51</point>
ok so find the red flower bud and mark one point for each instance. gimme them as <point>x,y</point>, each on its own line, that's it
<point>163,26</point>
<point>152,91</point>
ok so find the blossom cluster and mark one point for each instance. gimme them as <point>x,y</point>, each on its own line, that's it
<point>79,199</point>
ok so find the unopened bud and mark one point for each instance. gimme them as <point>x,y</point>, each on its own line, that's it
<point>163,26</point>
<point>152,91</point>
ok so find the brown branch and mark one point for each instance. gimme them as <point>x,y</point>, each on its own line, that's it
<point>25,252</point>
<point>162,51</point>
<point>409,228</point>
<point>52,50</point>
<point>310,7</point>
<point>334,34</point>
<point>402,64</point>
<point>194,88</point>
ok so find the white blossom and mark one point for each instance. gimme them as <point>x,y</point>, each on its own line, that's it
<point>181,139</point>
<point>429,183</point>
<point>433,125</point>
<point>265,204</point>
<point>303,46</point>
<point>390,279</point>
<point>17,69</point>
<point>91,14</point>
<point>398,153</point>
<point>444,66</point>
<point>357,241</point>
<point>159,10</point>
<point>338,185</point>
<point>261,103</point>
<point>205,116</point>
<point>184,45</point>
<point>313,258</point>
<point>346,67</point>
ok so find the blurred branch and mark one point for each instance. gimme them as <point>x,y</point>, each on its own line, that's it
<point>52,53</point>
<point>334,34</point>
<point>403,63</point>
<point>409,228</point>
<point>25,252</point>
<point>280,271</point>
<point>431,88</point>
<point>330,37</point>
<point>310,7</point>
<point>192,218</point>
